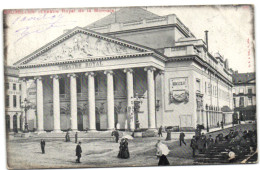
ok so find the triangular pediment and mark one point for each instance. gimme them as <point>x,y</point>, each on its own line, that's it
<point>81,44</point>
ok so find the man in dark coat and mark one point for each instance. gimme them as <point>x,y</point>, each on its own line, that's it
<point>193,145</point>
<point>182,135</point>
<point>43,146</point>
<point>78,152</point>
<point>160,132</point>
<point>76,137</point>
<point>116,134</point>
<point>210,142</point>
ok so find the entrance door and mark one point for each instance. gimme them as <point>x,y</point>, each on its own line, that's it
<point>80,121</point>
<point>97,120</point>
<point>15,124</point>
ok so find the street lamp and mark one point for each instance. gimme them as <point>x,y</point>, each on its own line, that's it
<point>26,106</point>
<point>137,101</point>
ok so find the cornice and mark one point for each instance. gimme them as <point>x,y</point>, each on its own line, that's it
<point>89,59</point>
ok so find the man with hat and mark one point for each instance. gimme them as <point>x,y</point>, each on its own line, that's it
<point>78,152</point>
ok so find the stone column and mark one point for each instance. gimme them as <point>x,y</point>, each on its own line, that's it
<point>73,102</point>
<point>56,103</point>
<point>23,96</point>
<point>130,96</point>
<point>91,101</point>
<point>110,100</point>
<point>162,94</point>
<point>151,97</point>
<point>39,102</point>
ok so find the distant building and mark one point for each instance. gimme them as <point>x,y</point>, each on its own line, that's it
<point>12,99</point>
<point>244,95</point>
<point>131,68</point>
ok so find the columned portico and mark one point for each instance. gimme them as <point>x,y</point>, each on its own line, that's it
<point>56,103</point>
<point>73,102</point>
<point>130,95</point>
<point>110,99</point>
<point>151,97</point>
<point>39,101</point>
<point>91,101</point>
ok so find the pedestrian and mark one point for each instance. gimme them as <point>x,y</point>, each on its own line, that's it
<point>162,151</point>
<point>160,132</point>
<point>193,145</point>
<point>222,124</point>
<point>210,142</point>
<point>202,143</point>
<point>116,134</point>
<point>43,146</point>
<point>168,137</point>
<point>182,135</point>
<point>67,137</point>
<point>78,152</point>
<point>76,137</point>
<point>123,149</point>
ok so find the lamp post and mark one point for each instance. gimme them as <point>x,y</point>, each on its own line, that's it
<point>207,112</point>
<point>137,101</point>
<point>26,106</point>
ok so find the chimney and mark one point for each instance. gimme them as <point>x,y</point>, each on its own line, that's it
<point>206,36</point>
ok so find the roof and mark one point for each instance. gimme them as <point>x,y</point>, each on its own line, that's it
<point>239,78</point>
<point>11,71</point>
<point>124,15</point>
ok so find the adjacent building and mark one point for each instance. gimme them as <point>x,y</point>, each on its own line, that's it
<point>12,99</point>
<point>130,69</point>
<point>244,96</point>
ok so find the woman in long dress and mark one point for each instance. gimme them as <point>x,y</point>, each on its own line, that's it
<point>123,149</point>
<point>162,151</point>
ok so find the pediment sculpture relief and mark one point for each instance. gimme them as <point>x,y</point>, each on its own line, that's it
<point>82,46</point>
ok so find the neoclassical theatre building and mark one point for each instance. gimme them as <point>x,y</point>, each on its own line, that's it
<point>133,68</point>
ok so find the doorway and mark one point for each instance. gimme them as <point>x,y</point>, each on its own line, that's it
<point>80,121</point>
<point>97,120</point>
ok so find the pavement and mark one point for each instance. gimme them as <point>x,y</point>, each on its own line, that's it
<point>26,153</point>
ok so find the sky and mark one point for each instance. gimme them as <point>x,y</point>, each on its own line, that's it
<point>230,29</point>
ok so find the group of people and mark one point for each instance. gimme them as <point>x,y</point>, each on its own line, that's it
<point>238,143</point>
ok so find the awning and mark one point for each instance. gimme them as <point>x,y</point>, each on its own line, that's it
<point>226,109</point>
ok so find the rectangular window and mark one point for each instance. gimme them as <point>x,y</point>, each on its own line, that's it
<point>250,102</point>
<point>20,87</point>
<point>6,86</point>
<point>14,86</point>
<point>250,91</point>
<point>14,101</point>
<point>241,102</point>
<point>7,104</point>
<point>234,100</point>
<point>241,90</point>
